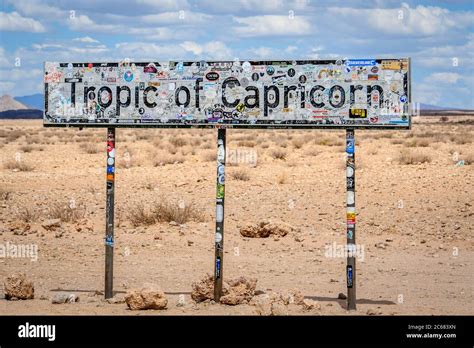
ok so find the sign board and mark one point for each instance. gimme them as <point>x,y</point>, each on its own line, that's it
<point>352,93</point>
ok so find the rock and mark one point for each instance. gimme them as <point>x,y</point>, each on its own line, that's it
<point>299,238</point>
<point>173,223</point>
<point>59,233</point>
<point>263,304</point>
<point>341,296</point>
<point>310,304</point>
<point>148,297</point>
<point>18,287</point>
<point>371,311</point>
<point>235,291</point>
<point>265,229</point>
<point>204,289</point>
<point>51,224</point>
<point>64,298</point>
<point>190,242</point>
<point>279,309</point>
<point>292,297</point>
<point>116,300</point>
<point>241,290</point>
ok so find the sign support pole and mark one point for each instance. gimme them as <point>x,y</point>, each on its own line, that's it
<point>351,220</point>
<point>220,193</point>
<point>109,214</point>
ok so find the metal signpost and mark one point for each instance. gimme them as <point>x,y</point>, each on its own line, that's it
<point>303,94</point>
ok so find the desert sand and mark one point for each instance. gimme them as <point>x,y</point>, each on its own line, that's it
<point>414,204</point>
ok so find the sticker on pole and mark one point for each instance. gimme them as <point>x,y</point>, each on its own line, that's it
<point>353,93</point>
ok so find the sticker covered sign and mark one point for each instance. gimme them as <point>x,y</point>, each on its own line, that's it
<point>352,93</point>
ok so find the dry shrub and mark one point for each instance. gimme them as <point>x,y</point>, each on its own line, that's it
<point>209,156</point>
<point>67,212</point>
<point>165,211</point>
<point>33,140</point>
<point>178,141</point>
<point>240,174</point>
<point>14,135</point>
<point>282,178</point>
<point>298,143</point>
<point>90,148</point>
<point>207,144</point>
<point>26,214</point>
<point>188,150</point>
<point>468,159</point>
<point>139,215</point>
<point>21,166</point>
<point>415,142</point>
<point>246,143</point>
<point>265,145</point>
<point>444,119</point>
<point>460,139</point>
<point>278,154</point>
<point>26,148</point>
<point>164,160</point>
<point>328,141</point>
<point>312,152</point>
<point>397,141</point>
<point>4,194</point>
<point>410,157</point>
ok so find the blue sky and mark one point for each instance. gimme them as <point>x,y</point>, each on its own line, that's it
<point>437,35</point>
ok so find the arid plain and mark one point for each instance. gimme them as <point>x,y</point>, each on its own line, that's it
<point>414,201</point>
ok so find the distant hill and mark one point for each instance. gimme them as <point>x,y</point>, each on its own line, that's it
<point>8,103</point>
<point>22,114</point>
<point>34,101</point>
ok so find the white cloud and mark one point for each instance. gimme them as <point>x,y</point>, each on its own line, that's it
<point>86,39</point>
<point>418,21</point>
<point>213,49</point>
<point>179,17</point>
<point>13,21</point>
<point>270,25</point>
<point>84,23</point>
<point>444,77</point>
<point>4,62</point>
<point>291,49</point>
<point>37,8</point>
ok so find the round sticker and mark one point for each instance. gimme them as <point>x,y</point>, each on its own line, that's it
<point>350,172</point>
<point>247,66</point>
<point>403,98</point>
<point>244,82</point>
<point>110,161</point>
<point>291,72</point>
<point>218,237</point>
<point>128,76</point>
<point>270,70</point>
<point>221,169</point>
<point>221,179</point>
<point>350,197</point>
<point>255,77</point>
<point>302,78</point>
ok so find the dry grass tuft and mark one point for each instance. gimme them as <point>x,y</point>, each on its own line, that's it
<point>67,212</point>
<point>282,178</point>
<point>26,214</point>
<point>90,148</point>
<point>278,154</point>
<point>410,157</point>
<point>165,211</point>
<point>240,174</point>
<point>21,166</point>
<point>415,142</point>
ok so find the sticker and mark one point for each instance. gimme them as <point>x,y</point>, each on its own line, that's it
<point>218,237</point>
<point>109,241</point>
<point>220,191</point>
<point>110,170</point>
<point>110,177</point>
<point>110,161</point>
<point>403,98</point>
<point>221,153</point>
<point>255,77</point>
<point>218,267</point>
<point>291,72</point>
<point>247,67</point>
<point>350,172</point>
<point>350,198</point>
<point>221,179</point>
<point>128,76</point>
<point>350,233</point>
<point>360,62</point>
<point>350,145</point>
<point>357,113</point>
<point>349,276</point>
<point>219,213</point>
<point>220,169</point>
<point>270,70</point>
<point>212,76</point>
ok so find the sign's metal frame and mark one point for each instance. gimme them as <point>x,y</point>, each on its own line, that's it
<point>220,189</point>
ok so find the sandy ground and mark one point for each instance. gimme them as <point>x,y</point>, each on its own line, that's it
<point>415,221</point>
